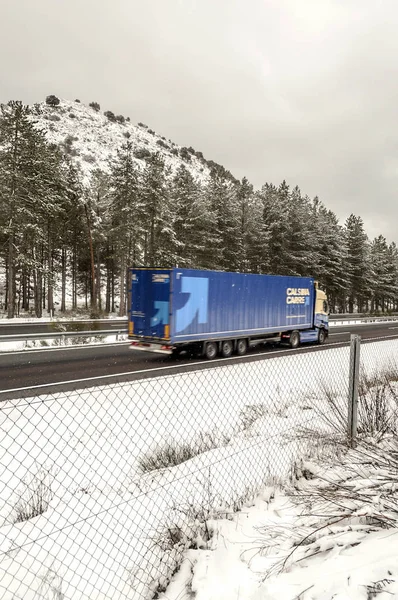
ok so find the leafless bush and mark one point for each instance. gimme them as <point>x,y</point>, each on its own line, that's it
<point>377,407</point>
<point>171,453</point>
<point>378,403</point>
<point>357,493</point>
<point>34,497</point>
<point>251,413</point>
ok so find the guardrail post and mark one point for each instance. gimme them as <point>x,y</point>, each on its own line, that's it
<point>353,389</point>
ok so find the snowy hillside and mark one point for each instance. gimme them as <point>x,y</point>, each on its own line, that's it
<point>92,138</point>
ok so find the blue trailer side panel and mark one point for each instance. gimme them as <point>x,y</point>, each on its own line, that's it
<point>150,302</point>
<point>211,304</point>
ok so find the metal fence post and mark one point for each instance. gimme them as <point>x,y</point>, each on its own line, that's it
<point>353,389</point>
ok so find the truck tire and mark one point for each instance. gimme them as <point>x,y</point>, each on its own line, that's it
<point>210,350</point>
<point>294,340</point>
<point>227,347</point>
<point>321,336</point>
<point>241,347</point>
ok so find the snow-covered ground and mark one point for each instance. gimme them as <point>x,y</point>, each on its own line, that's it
<point>108,529</point>
<point>255,555</point>
<point>70,342</point>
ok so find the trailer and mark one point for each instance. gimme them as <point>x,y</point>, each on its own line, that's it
<point>221,313</point>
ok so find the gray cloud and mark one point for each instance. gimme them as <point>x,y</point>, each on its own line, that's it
<point>271,89</point>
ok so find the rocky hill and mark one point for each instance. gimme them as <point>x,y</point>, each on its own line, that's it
<point>92,138</point>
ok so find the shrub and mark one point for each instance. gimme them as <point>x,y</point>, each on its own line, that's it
<point>77,100</point>
<point>127,134</point>
<point>89,158</point>
<point>54,118</point>
<point>174,151</point>
<point>120,119</point>
<point>110,116</point>
<point>72,115</point>
<point>185,154</point>
<point>128,119</point>
<point>151,131</point>
<point>68,142</point>
<point>142,153</point>
<point>52,100</point>
<point>163,144</point>
<point>143,125</point>
<point>95,106</point>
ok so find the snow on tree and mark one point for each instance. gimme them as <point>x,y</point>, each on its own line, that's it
<point>357,263</point>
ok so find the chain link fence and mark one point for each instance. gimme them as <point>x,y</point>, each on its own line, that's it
<point>103,489</point>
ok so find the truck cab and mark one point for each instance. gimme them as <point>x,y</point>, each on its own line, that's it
<point>321,314</point>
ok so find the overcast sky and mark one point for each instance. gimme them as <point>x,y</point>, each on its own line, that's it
<point>302,90</point>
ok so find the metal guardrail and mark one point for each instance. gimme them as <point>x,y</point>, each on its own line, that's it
<point>386,319</point>
<point>21,337</point>
<point>18,337</point>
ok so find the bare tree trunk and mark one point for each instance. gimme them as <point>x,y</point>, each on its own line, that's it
<point>63,279</point>
<point>23,288</point>
<point>98,286</point>
<point>38,285</point>
<point>50,282</point>
<point>6,290</point>
<point>90,241</point>
<point>146,248</point>
<point>10,279</point>
<point>113,283</point>
<point>122,296</point>
<point>108,282</point>
<point>74,274</point>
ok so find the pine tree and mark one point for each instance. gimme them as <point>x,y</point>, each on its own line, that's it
<point>301,249</point>
<point>252,236</point>
<point>160,241</point>
<point>189,217</point>
<point>329,240</point>
<point>30,182</point>
<point>276,223</point>
<point>127,216</point>
<point>357,263</point>
<point>221,250</point>
<point>382,272</point>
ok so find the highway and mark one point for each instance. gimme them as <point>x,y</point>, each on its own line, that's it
<point>85,366</point>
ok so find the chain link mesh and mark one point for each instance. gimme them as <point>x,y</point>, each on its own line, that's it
<point>103,489</point>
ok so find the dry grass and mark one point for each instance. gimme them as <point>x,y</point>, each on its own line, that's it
<point>34,497</point>
<point>377,408</point>
<point>171,453</point>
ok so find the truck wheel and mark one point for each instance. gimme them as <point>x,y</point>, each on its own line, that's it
<point>227,348</point>
<point>241,347</point>
<point>210,350</point>
<point>321,336</point>
<point>294,339</point>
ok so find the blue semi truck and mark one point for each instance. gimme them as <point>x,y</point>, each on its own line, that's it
<point>221,313</point>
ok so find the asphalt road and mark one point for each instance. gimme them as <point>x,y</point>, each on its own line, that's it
<point>71,368</point>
